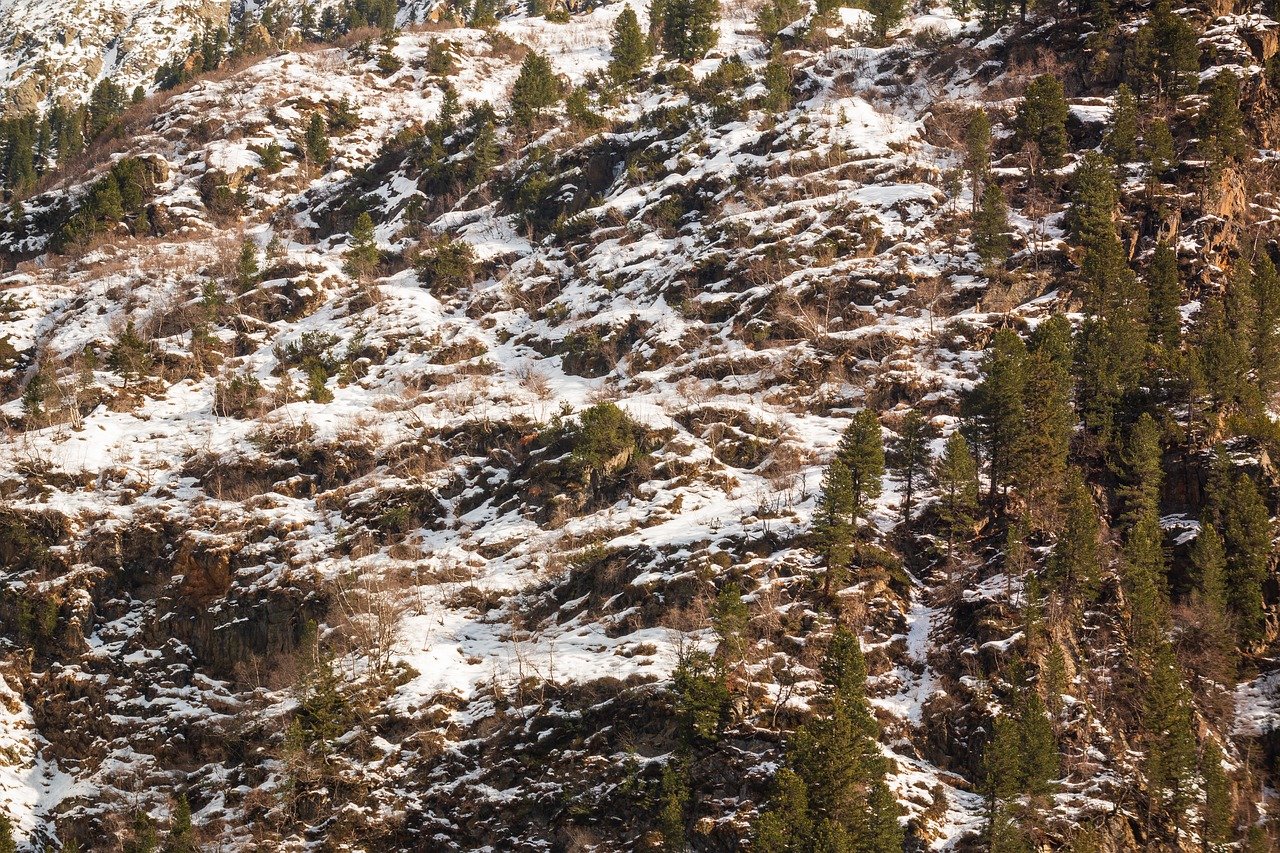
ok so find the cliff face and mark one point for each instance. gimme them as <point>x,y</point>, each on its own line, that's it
<point>380,470</point>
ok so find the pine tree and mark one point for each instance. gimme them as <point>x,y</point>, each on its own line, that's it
<point>1074,564</point>
<point>832,528</point>
<point>991,227</point>
<point>1247,533</point>
<point>690,28</point>
<point>130,356</point>
<point>363,255</point>
<point>316,142</point>
<point>536,90</point>
<point>1266,340</point>
<point>1221,124</point>
<point>8,844</point>
<point>885,15</point>
<point>1146,586</point>
<point>247,275</point>
<point>977,153</point>
<point>956,476</point>
<point>1158,146</point>
<point>1209,564</point>
<point>181,832</point>
<point>1169,739</point>
<point>909,458</point>
<point>630,49</point>
<point>785,827</point>
<point>1041,120</point>
<point>1164,320</point>
<point>1141,472</point>
<point>1165,58</point>
<point>1047,401</point>
<point>1121,142</point>
<point>731,621</point>
<point>777,84</point>
<point>674,796</point>
<point>1217,829</point>
<point>996,408</point>
<point>861,449</point>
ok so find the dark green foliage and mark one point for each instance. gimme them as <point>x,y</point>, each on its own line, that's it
<point>956,476</point>
<point>1224,337</point>
<point>536,90</point>
<point>1165,57</point>
<point>630,48</point>
<point>1041,121</point>
<point>991,227</point>
<point>831,795</point>
<point>1247,533</point>
<point>833,529</point>
<point>1158,147</point>
<point>1050,418</point>
<point>316,141</point>
<point>702,696</point>
<point>106,103</point>
<point>996,410</point>
<point>1266,342</point>
<point>1168,739</point>
<point>1145,586</point>
<point>977,152</point>
<point>247,272</point>
<point>909,458</point>
<point>130,356</point>
<point>1141,472</point>
<point>446,266</point>
<point>731,621</point>
<point>689,28</point>
<point>181,837</point>
<point>1121,142</point>
<point>1074,565</point>
<point>861,450</point>
<point>1164,289</point>
<point>674,796</point>
<point>777,84</point>
<point>605,436</point>
<point>1222,134</point>
<point>363,255</point>
<point>885,16</point>
<point>776,15</point>
<point>1218,817</point>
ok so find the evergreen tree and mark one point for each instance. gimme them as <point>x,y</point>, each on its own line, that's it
<point>831,795</point>
<point>1145,586</point>
<point>1047,401</point>
<point>363,255</point>
<point>833,530</point>
<point>1164,320</point>
<point>1221,124</point>
<point>996,409</point>
<point>1074,564</point>
<point>247,274</point>
<point>777,84</point>
<point>1218,819</point>
<point>909,458</point>
<point>1141,472</point>
<point>536,90</point>
<point>1247,533</point>
<point>8,844</point>
<point>1158,145</point>
<point>885,15</point>
<point>956,476</point>
<point>991,227</point>
<point>181,832</point>
<point>1165,58</point>
<point>977,153</point>
<point>130,356</point>
<point>702,696</point>
<point>1041,120</point>
<point>674,796</point>
<point>1209,561</point>
<point>630,48</point>
<point>1169,739</point>
<point>316,142</point>
<point>690,28</point>
<point>1266,342</point>
<point>1121,142</point>
<point>106,103</point>
<point>861,449</point>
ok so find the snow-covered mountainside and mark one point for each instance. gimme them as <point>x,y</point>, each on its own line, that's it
<point>409,450</point>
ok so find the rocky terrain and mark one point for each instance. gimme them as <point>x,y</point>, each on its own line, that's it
<point>408,450</point>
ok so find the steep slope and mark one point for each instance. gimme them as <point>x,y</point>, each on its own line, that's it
<point>420,551</point>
